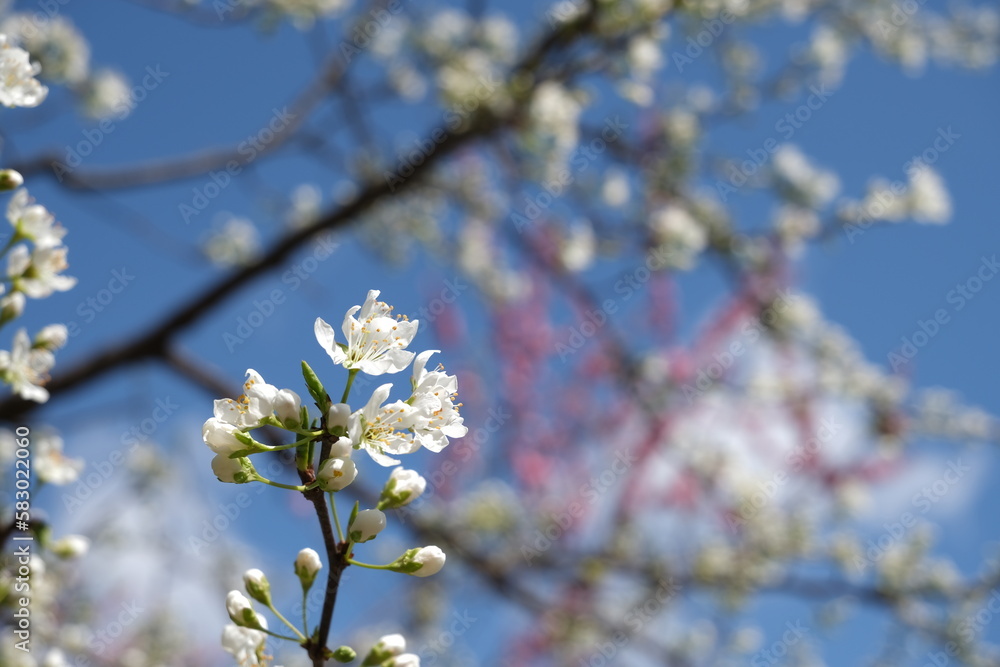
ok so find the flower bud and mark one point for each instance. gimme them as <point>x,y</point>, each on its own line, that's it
<point>337,417</point>
<point>386,647</point>
<point>422,562</point>
<point>242,612</point>
<point>11,306</point>
<point>335,474</point>
<point>257,586</point>
<point>366,525</point>
<point>288,407</point>
<point>342,448</point>
<point>406,660</point>
<point>71,546</point>
<point>307,565</point>
<point>233,471</point>
<point>10,180</point>
<point>403,487</point>
<point>345,654</point>
<point>221,437</point>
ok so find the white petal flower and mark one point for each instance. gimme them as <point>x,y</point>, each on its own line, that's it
<point>242,613</point>
<point>58,46</point>
<point>106,93</point>
<point>38,274</point>
<point>26,369</point>
<point>434,399</point>
<point>336,473</point>
<point>393,644</point>
<point>32,221</point>
<point>219,436</point>
<point>18,87</point>
<point>384,429</point>
<point>406,660</point>
<point>287,407</point>
<point>52,337</point>
<point>376,342</point>
<point>49,463</point>
<point>243,643</point>
<point>928,197</point>
<point>255,405</point>
<point>71,546</point>
<point>230,471</point>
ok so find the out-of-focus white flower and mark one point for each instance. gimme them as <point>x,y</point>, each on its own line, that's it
<point>55,43</point>
<point>106,93</point>
<point>366,525</point>
<point>10,179</point>
<point>577,247</point>
<point>802,182</point>
<point>11,306</point>
<point>51,337</point>
<point>376,342</point>
<point>18,87</point>
<point>794,225</point>
<point>236,243</point>
<point>928,197</point>
<point>303,13</point>
<point>679,237</point>
<point>49,463</point>
<point>25,368</point>
<point>245,644</point>
<point>406,660</point>
<point>335,474</point>
<point>37,273</point>
<point>615,189</point>
<point>829,52</point>
<point>306,200</point>
<point>71,546</point>
<point>644,56</point>
<point>55,658</point>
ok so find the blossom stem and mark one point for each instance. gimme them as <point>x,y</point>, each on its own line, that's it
<point>336,519</point>
<point>369,565</point>
<point>284,620</point>
<point>291,487</point>
<point>350,381</point>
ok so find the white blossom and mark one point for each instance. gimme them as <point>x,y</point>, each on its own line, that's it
<point>802,182</point>
<point>679,236</point>
<point>376,342</point>
<point>18,87</point>
<point>236,243</point>
<point>71,546</point>
<point>383,430</point>
<point>433,397</point>
<point>55,43</point>
<point>336,473</point>
<point>245,644</point>
<point>307,565</point>
<point>25,368</point>
<point>928,197</point>
<point>431,560</point>
<point>38,273</point>
<point>106,93</point>
<point>49,463</point>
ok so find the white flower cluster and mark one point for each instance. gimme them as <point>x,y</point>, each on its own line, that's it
<point>18,86</point>
<point>375,344</point>
<point>62,56</point>
<point>800,181</point>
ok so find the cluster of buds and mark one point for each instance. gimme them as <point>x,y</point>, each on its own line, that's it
<point>324,444</point>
